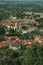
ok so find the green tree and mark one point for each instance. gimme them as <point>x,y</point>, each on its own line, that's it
<point>2,30</point>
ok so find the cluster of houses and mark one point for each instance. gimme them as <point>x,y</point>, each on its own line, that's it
<point>14,42</point>
<point>19,25</point>
<point>34,13</point>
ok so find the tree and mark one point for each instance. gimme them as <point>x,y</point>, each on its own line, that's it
<point>9,57</point>
<point>33,55</point>
<point>1,38</point>
<point>2,30</point>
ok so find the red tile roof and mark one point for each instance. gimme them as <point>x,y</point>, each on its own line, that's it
<point>39,39</point>
<point>1,45</point>
<point>10,37</point>
<point>20,42</point>
<point>30,29</point>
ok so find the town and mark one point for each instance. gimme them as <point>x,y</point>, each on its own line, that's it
<point>28,29</point>
<point>21,25</point>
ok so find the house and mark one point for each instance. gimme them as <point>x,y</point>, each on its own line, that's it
<point>12,18</point>
<point>10,24</point>
<point>1,45</point>
<point>39,39</point>
<point>28,46</point>
<point>11,38</point>
<point>28,13</point>
<point>29,30</point>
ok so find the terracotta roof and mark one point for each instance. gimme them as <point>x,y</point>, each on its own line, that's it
<point>10,37</point>
<point>19,42</point>
<point>9,22</point>
<point>1,45</point>
<point>28,46</point>
<point>22,25</point>
<point>30,29</point>
<point>39,39</point>
<point>14,42</point>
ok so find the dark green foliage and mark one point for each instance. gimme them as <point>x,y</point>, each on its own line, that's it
<point>30,56</point>
<point>1,38</point>
<point>33,55</point>
<point>2,30</point>
<point>2,33</point>
<point>9,57</point>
